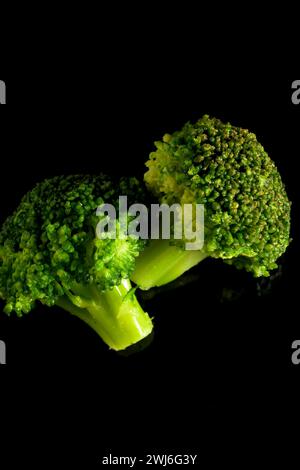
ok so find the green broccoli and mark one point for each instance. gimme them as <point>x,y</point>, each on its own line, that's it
<point>49,252</point>
<point>246,208</point>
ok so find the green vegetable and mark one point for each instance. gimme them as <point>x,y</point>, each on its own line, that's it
<point>247,211</point>
<point>49,252</point>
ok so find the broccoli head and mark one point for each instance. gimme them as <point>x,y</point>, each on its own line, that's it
<point>246,208</point>
<point>49,252</point>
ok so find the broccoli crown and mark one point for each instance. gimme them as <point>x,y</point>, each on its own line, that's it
<point>49,243</point>
<point>247,211</point>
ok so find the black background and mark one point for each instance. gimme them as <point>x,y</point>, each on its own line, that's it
<point>220,357</point>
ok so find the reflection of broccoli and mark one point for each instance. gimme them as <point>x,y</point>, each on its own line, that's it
<point>49,252</point>
<point>247,211</point>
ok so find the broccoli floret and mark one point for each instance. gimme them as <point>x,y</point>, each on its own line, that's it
<point>49,252</point>
<point>246,208</point>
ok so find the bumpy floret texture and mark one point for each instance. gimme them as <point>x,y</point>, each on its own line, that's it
<point>247,211</point>
<point>50,243</point>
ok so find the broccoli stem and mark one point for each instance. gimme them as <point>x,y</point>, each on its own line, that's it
<point>161,263</point>
<point>115,315</point>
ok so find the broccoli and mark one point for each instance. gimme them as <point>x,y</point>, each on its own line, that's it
<point>49,252</point>
<point>246,208</point>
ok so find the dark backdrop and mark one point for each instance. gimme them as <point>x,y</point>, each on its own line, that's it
<point>221,352</point>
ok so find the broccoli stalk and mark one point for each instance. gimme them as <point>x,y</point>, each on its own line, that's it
<point>115,315</point>
<point>161,263</point>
